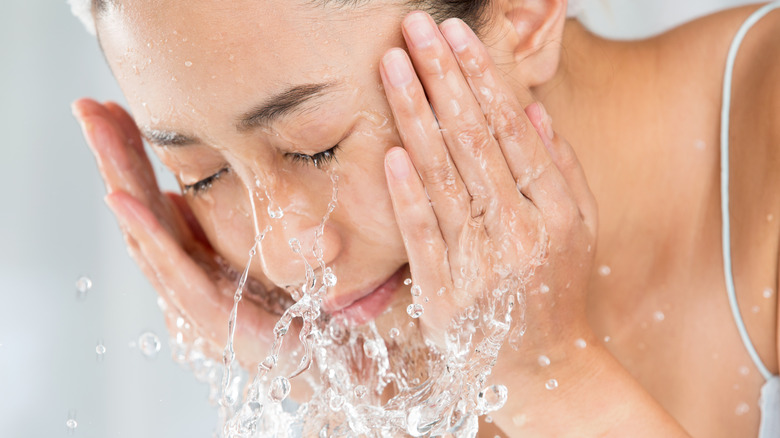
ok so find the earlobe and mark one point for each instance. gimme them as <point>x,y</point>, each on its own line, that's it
<point>538,28</point>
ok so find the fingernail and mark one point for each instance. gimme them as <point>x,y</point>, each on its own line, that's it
<point>455,32</point>
<point>397,68</point>
<point>75,110</point>
<point>398,163</point>
<point>547,122</point>
<point>420,30</point>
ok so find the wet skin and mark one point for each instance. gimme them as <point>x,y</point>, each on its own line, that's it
<point>202,81</point>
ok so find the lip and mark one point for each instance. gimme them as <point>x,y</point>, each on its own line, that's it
<point>360,308</point>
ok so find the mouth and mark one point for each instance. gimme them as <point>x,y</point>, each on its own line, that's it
<point>360,307</point>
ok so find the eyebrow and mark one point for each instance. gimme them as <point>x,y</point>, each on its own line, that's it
<point>277,106</point>
<point>167,138</point>
<point>280,105</point>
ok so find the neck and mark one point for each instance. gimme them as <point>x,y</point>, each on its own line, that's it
<point>578,96</point>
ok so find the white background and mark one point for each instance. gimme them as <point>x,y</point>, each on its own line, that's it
<point>54,227</point>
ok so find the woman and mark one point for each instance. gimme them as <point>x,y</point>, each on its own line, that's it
<point>449,170</point>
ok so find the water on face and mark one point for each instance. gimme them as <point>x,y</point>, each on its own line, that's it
<point>361,382</point>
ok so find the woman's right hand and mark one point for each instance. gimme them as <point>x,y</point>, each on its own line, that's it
<point>169,245</point>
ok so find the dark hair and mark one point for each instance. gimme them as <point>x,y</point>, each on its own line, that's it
<point>472,12</point>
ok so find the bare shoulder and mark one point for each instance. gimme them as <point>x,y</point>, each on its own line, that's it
<point>698,51</point>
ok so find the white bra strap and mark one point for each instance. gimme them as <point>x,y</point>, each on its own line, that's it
<point>724,181</point>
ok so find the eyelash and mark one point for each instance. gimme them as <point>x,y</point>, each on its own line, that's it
<point>319,160</point>
<point>206,183</point>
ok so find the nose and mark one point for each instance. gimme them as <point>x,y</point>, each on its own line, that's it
<point>292,242</point>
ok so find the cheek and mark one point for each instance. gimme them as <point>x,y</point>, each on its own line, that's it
<point>226,218</point>
<point>364,202</point>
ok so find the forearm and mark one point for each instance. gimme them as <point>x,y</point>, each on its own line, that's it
<point>595,397</point>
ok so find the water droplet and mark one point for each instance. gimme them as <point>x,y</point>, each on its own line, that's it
<point>607,338</point>
<point>767,293</point>
<point>275,213</point>
<point>394,332</point>
<point>543,288</point>
<point>83,285</point>
<point>268,363</point>
<point>414,310</point>
<point>408,281</point>
<point>742,409</point>
<point>516,337</point>
<point>360,391</point>
<point>149,344</point>
<point>744,370</point>
<point>370,348</point>
<point>71,424</point>
<point>492,398</point>
<point>580,343</point>
<point>488,419</point>
<point>279,389</point>
<point>440,292</point>
<point>336,402</point>
<point>604,270</point>
<point>162,304</point>
<point>337,332</point>
<point>295,245</point>
<point>188,63</point>
<point>659,316</point>
<point>551,384</point>
<point>100,349</point>
<point>329,278</point>
<point>543,361</point>
<point>416,291</point>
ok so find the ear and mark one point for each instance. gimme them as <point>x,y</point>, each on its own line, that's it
<point>530,33</point>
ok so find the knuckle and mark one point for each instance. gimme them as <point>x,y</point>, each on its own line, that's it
<point>507,123</point>
<point>439,175</point>
<point>475,65</point>
<point>564,217</point>
<point>473,136</point>
<point>565,160</point>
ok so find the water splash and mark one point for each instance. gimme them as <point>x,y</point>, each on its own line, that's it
<point>362,384</point>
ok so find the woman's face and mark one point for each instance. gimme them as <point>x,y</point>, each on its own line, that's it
<point>242,94</point>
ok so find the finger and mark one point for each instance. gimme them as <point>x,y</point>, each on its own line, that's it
<point>565,159</point>
<point>121,168</point>
<point>424,244</point>
<point>194,227</point>
<point>184,282</point>
<point>128,126</point>
<point>419,132</point>
<point>530,164</point>
<point>474,150</point>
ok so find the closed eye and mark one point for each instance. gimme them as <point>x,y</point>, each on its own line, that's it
<point>319,160</point>
<point>203,185</point>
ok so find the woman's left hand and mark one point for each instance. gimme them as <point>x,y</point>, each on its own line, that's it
<point>485,191</point>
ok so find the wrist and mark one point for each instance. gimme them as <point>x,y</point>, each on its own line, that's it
<point>593,395</point>
<point>553,383</point>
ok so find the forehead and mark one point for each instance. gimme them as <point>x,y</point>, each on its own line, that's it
<point>176,55</point>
